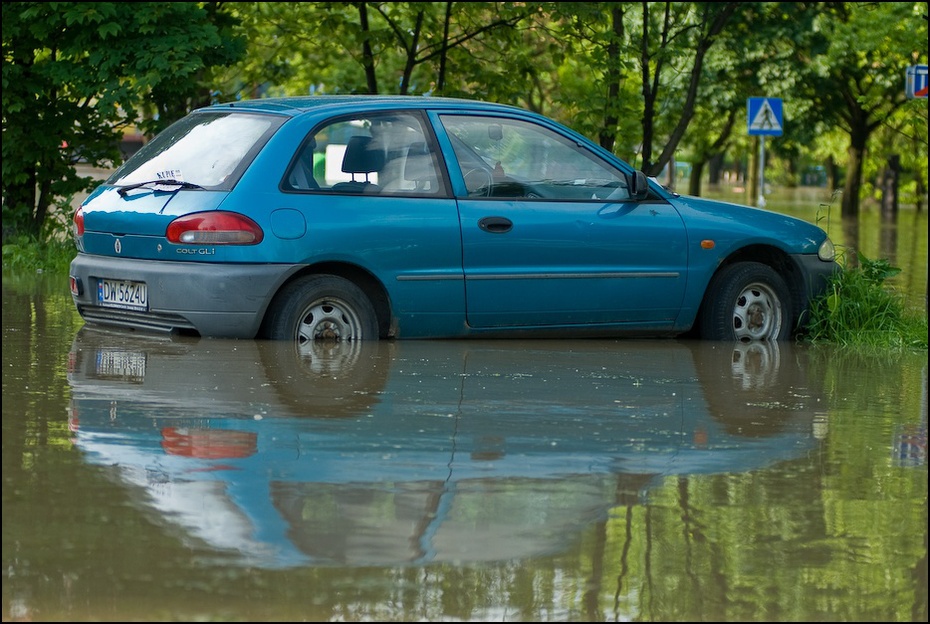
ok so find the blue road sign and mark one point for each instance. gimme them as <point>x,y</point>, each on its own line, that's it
<point>765,116</point>
<point>917,81</point>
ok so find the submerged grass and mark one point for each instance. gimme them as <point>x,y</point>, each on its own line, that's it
<point>860,309</point>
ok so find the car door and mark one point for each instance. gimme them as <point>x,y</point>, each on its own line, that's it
<point>551,236</point>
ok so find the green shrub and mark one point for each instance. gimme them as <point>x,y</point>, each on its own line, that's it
<point>860,309</point>
<point>26,254</point>
<point>51,251</point>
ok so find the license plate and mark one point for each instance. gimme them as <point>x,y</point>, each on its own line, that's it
<point>123,294</point>
<point>122,365</point>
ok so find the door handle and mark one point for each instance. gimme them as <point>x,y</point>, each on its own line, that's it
<point>495,225</point>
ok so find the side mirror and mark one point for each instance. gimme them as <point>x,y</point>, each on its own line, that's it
<point>639,185</point>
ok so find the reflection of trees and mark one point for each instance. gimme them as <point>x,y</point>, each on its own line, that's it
<point>888,241</point>
<point>909,259</point>
<point>902,241</point>
<point>35,325</point>
<point>750,547</point>
<point>919,610</point>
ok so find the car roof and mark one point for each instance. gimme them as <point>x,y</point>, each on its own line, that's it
<point>295,105</point>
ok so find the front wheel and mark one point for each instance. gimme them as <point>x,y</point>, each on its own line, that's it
<point>746,301</point>
<point>321,308</point>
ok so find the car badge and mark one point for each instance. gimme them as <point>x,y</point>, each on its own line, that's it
<point>118,246</point>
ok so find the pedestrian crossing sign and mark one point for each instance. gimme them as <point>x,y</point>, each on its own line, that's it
<point>765,116</point>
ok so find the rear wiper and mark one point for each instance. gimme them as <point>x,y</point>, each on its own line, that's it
<point>160,185</point>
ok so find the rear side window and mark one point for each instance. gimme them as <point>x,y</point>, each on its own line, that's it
<point>379,154</point>
<point>208,149</point>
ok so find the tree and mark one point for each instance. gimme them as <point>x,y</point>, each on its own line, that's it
<point>650,81</point>
<point>643,64</point>
<point>860,75</point>
<point>76,73</point>
<point>392,47</point>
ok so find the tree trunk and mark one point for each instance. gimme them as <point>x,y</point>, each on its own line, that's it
<point>890,188</point>
<point>855,156</point>
<point>833,181</point>
<point>671,174</point>
<point>851,234</point>
<point>368,55</point>
<point>694,181</point>
<point>714,169</point>
<point>443,57</point>
<point>21,200</point>
<point>921,191</point>
<point>608,134</point>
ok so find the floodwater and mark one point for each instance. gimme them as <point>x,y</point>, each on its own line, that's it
<point>155,478</point>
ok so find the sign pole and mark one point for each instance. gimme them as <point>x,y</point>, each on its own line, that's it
<point>765,119</point>
<point>761,201</point>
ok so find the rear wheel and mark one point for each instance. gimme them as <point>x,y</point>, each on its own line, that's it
<point>321,308</point>
<point>746,301</point>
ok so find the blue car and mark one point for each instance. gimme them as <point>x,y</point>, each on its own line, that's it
<point>374,217</point>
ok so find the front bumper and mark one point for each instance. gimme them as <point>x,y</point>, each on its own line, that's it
<point>815,278</point>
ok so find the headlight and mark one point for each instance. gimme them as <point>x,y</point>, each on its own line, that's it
<point>827,252</point>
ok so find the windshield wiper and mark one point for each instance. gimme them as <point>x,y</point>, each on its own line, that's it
<point>169,185</point>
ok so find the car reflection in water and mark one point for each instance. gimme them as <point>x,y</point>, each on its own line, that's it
<point>394,453</point>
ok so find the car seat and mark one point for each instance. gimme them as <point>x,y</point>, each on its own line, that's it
<point>419,168</point>
<point>361,157</point>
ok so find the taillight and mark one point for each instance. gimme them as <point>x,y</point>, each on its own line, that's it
<point>78,222</point>
<point>76,285</point>
<point>214,228</point>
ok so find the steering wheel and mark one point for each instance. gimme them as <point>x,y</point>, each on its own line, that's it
<point>478,182</point>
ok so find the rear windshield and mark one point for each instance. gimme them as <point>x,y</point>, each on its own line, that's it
<point>207,149</point>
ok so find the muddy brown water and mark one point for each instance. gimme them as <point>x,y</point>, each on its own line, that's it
<point>155,478</point>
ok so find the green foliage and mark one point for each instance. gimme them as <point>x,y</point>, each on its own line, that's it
<point>860,309</point>
<point>50,251</point>
<point>627,75</point>
<point>76,74</point>
<point>25,254</point>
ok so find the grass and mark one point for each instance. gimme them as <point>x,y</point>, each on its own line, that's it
<point>50,251</point>
<point>860,309</point>
<point>25,254</point>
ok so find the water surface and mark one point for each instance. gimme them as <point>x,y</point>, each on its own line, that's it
<point>149,478</point>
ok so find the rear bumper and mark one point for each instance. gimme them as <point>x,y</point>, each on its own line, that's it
<point>213,300</point>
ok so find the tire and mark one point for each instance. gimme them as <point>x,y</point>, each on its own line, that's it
<point>759,389</point>
<point>745,302</point>
<point>327,379</point>
<point>322,308</point>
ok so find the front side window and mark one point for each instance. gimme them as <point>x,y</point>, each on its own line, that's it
<point>501,157</point>
<point>379,154</point>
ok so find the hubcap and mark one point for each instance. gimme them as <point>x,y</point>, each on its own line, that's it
<point>757,315</point>
<point>329,320</point>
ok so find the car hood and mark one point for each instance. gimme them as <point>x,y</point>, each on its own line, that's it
<point>749,224</point>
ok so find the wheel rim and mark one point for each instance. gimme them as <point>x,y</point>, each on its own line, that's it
<point>757,314</point>
<point>329,320</point>
<point>754,365</point>
<point>329,358</point>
